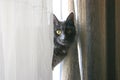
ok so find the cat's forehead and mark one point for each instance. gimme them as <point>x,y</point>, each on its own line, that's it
<point>61,24</point>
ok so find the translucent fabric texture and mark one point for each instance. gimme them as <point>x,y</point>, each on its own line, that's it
<point>26,44</point>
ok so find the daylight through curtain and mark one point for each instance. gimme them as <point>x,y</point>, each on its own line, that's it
<point>25,40</point>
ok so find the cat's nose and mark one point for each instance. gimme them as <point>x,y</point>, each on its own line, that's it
<point>62,37</point>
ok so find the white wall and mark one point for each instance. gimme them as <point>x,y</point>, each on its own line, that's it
<point>26,43</point>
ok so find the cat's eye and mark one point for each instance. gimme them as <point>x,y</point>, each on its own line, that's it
<point>58,32</point>
<point>69,31</point>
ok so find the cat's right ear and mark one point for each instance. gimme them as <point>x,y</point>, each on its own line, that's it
<point>55,20</point>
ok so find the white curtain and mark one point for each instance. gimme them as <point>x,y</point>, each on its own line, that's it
<point>26,43</point>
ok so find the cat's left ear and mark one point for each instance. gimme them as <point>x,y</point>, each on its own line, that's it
<point>55,20</point>
<point>70,18</point>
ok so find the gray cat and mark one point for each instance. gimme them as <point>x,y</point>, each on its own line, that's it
<point>64,36</point>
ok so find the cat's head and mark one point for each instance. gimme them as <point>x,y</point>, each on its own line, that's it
<point>64,32</point>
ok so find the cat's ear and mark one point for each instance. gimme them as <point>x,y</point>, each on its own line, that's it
<point>55,20</point>
<point>70,18</point>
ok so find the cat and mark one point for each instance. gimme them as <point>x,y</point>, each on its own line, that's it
<point>64,36</point>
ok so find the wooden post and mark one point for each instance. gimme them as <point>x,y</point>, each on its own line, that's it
<point>117,18</point>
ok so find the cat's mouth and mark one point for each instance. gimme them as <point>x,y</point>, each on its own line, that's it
<point>63,42</point>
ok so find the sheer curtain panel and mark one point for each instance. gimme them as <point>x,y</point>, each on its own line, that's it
<point>26,44</point>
